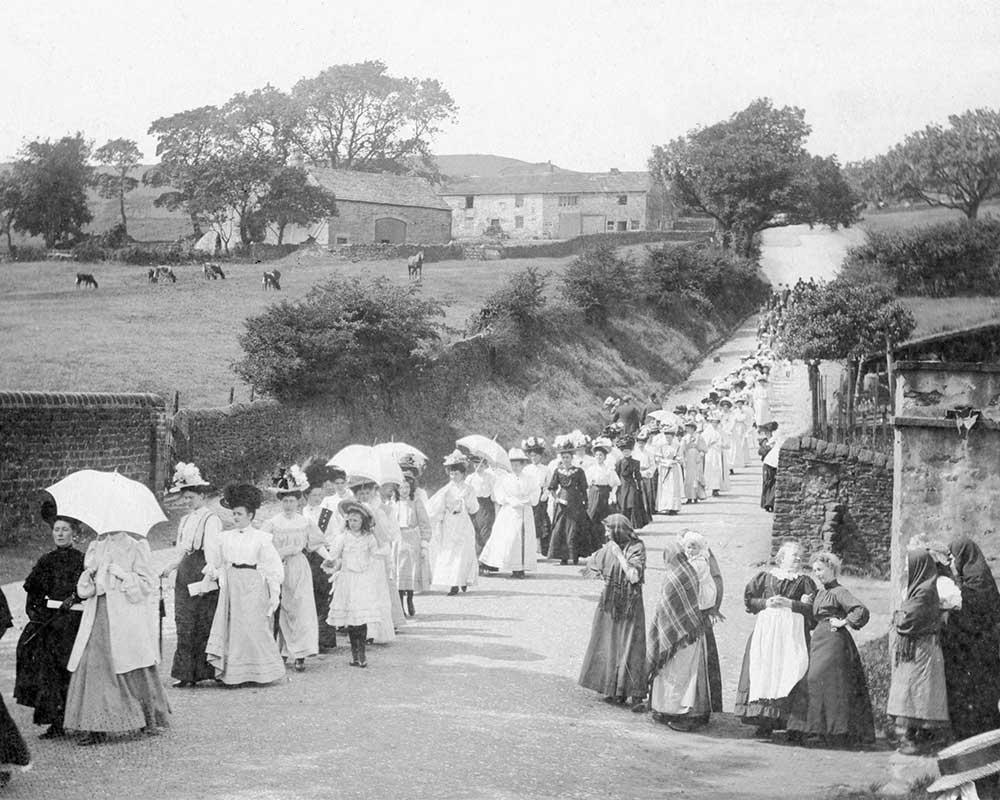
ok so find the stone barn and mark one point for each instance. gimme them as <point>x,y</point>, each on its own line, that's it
<point>379,208</point>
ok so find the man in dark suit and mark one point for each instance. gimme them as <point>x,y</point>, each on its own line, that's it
<point>654,404</point>
<point>628,414</point>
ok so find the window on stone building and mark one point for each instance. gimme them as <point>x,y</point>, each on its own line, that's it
<point>623,226</point>
<point>611,225</point>
<point>341,240</point>
<point>470,201</point>
<point>623,199</point>
<point>518,222</point>
<point>518,201</point>
<point>634,224</point>
<point>569,199</point>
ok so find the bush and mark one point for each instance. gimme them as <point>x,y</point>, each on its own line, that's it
<point>513,319</point>
<point>89,252</point>
<point>27,252</point>
<point>146,256</point>
<point>348,340</point>
<point>599,281</point>
<point>940,260</point>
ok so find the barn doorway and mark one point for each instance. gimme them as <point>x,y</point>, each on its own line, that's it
<point>593,223</point>
<point>569,226</point>
<point>390,231</point>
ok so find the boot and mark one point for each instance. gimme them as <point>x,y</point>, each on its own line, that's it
<point>409,603</point>
<point>354,649</point>
<point>362,662</point>
<point>402,601</point>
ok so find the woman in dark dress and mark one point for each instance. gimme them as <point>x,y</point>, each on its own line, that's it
<point>970,642</point>
<point>839,711</point>
<point>569,537</point>
<point>777,652</point>
<point>615,662</point>
<point>196,555</point>
<point>13,750</point>
<point>54,617</point>
<point>630,499</point>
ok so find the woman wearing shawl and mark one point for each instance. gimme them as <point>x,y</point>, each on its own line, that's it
<point>839,711</point>
<point>970,643</point>
<point>777,654</point>
<point>918,693</point>
<point>710,589</point>
<point>678,659</point>
<point>615,663</point>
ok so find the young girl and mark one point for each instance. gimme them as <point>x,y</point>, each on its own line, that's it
<point>298,629</point>
<point>359,598</point>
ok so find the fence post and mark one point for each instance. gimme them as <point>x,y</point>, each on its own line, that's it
<point>251,394</point>
<point>232,394</point>
<point>177,401</point>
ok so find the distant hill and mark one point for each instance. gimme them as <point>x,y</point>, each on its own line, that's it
<point>482,165</point>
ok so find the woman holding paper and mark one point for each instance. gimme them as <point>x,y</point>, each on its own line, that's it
<point>196,555</point>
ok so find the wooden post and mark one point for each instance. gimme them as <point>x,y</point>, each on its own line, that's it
<point>232,394</point>
<point>251,394</point>
<point>177,401</point>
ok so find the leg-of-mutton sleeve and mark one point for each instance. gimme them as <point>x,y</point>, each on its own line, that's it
<point>138,583</point>
<point>269,564</point>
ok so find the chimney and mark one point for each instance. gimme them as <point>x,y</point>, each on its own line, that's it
<point>551,169</point>
<point>615,171</point>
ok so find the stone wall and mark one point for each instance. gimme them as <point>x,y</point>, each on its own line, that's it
<point>355,222</point>
<point>45,436</point>
<point>241,442</point>
<point>837,497</point>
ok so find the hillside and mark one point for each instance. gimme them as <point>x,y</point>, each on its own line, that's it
<point>479,165</point>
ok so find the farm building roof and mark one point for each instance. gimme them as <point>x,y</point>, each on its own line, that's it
<point>553,183</point>
<point>376,187</point>
<point>979,342</point>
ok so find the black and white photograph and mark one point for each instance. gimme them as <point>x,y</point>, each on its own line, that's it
<point>459,401</point>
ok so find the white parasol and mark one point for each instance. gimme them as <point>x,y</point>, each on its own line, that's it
<point>361,461</point>
<point>663,416</point>
<point>485,448</point>
<point>398,451</point>
<point>107,502</point>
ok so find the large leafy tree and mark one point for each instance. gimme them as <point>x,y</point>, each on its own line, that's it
<point>752,172</point>
<point>358,116</point>
<point>292,200</point>
<point>10,201</point>
<point>122,155</point>
<point>957,166</point>
<point>52,179</point>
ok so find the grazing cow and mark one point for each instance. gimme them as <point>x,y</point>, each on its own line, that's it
<point>212,271</point>
<point>85,279</point>
<point>271,280</point>
<point>166,274</point>
<point>151,276</point>
<point>415,265</point>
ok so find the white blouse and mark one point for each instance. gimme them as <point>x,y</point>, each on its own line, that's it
<point>602,475</point>
<point>253,546</point>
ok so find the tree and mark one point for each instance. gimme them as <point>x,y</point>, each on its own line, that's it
<point>597,281</point>
<point>292,200</point>
<point>123,155</point>
<point>844,321</point>
<point>353,341</point>
<point>955,167</point>
<point>53,178</point>
<point>10,201</point>
<point>357,116</point>
<point>752,172</point>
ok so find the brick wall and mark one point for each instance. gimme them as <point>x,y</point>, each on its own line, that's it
<point>45,436</point>
<point>241,442</point>
<point>835,496</point>
<point>356,222</point>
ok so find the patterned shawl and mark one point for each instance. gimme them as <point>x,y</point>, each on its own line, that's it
<point>621,596</point>
<point>677,620</point>
<point>919,615</point>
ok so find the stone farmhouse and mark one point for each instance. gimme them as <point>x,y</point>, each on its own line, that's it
<point>556,204</point>
<point>377,208</point>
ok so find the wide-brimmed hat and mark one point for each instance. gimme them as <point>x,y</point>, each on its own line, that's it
<point>533,444</point>
<point>602,443</point>
<point>691,424</point>
<point>768,426</point>
<point>564,444</point>
<point>291,481</point>
<point>725,401</point>
<point>516,454</point>
<point>968,760</point>
<point>456,458</point>
<point>187,476</point>
<point>680,409</point>
<point>625,443</point>
<point>349,506</point>
<point>408,463</point>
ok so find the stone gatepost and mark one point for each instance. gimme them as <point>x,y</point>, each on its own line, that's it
<point>947,457</point>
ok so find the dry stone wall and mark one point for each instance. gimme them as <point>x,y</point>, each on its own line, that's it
<point>834,496</point>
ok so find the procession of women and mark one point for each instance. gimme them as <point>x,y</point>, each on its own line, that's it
<point>353,540</point>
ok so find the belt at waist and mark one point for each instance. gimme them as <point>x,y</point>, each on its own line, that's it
<point>244,566</point>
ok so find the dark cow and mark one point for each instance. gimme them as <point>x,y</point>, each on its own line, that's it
<point>212,271</point>
<point>272,280</point>
<point>415,265</point>
<point>85,279</point>
<point>155,275</point>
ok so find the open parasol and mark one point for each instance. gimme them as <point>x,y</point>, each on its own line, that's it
<point>399,451</point>
<point>361,461</point>
<point>107,502</point>
<point>484,448</point>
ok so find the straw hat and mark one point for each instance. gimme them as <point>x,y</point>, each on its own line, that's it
<point>533,444</point>
<point>353,506</point>
<point>187,476</point>
<point>291,481</point>
<point>968,760</point>
<point>516,454</point>
<point>456,459</point>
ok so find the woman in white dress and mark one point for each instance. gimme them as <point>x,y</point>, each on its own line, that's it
<point>381,631</point>
<point>511,546</point>
<point>241,646</point>
<point>292,533</point>
<point>450,510</point>
<point>412,555</point>
<point>670,474</point>
<point>534,446</point>
<point>716,468</point>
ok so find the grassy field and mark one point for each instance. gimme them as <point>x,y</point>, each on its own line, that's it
<point>937,314</point>
<point>129,335</point>
<point>916,215</point>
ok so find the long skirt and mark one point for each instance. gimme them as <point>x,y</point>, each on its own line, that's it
<point>768,481</point>
<point>971,653</point>
<point>193,617</point>
<point>102,700</point>
<point>739,452</point>
<point>681,690</point>
<point>570,532</point>
<point>670,492</point>
<point>649,486</point>
<point>631,503</point>
<point>383,629</point>
<point>694,479</point>
<point>918,694</point>
<point>455,563</point>
<point>714,668</point>
<point>543,527</point>
<point>511,546</point>
<point>615,662</point>
<point>716,470</point>
<point>412,569</point>
<point>321,597</point>
<point>597,510</point>
<point>779,657</point>
<point>298,629</point>
<point>42,655</point>
<point>13,750</point>
<point>838,701</point>
<point>359,598</point>
<point>482,522</point>
<point>241,646</point>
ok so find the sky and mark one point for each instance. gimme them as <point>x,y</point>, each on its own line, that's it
<point>586,84</point>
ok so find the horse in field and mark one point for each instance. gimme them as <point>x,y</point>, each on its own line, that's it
<point>212,271</point>
<point>272,280</point>
<point>85,279</point>
<point>415,266</point>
